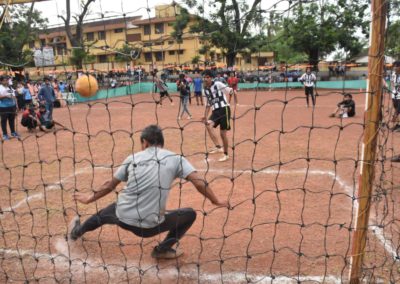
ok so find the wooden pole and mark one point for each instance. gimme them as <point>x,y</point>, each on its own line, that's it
<point>372,117</point>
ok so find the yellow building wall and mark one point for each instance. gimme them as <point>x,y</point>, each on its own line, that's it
<point>162,55</point>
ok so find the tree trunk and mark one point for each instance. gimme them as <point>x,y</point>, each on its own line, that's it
<point>230,59</point>
<point>313,58</point>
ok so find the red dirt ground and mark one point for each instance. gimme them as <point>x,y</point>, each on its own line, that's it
<point>290,180</point>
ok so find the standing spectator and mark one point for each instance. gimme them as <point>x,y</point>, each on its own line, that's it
<point>184,93</point>
<point>198,87</point>
<point>8,108</point>
<point>233,82</point>
<point>308,79</point>
<point>219,78</point>
<point>19,93</point>
<point>190,83</point>
<point>27,95</point>
<point>47,96</point>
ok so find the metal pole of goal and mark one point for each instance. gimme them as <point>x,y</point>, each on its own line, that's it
<point>372,117</point>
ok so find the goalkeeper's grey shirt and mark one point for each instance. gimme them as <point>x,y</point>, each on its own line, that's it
<point>148,175</point>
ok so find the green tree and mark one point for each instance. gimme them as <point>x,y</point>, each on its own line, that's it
<point>123,54</point>
<point>80,48</point>
<point>393,40</point>
<point>26,22</point>
<point>319,28</point>
<point>228,25</point>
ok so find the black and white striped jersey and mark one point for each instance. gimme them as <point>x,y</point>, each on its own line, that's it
<point>216,95</point>
<point>308,79</point>
<point>395,80</point>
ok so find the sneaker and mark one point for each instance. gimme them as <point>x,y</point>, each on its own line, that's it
<point>15,135</point>
<point>168,253</point>
<point>395,159</point>
<point>224,158</point>
<point>216,150</point>
<point>6,137</point>
<point>75,225</point>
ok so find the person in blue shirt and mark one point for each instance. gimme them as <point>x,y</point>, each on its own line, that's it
<point>8,108</point>
<point>47,96</point>
<point>198,87</point>
<point>61,86</point>
<point>27,95</point>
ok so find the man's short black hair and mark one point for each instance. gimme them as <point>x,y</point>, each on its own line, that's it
<point>208,73</point>
<point>396,63</point>
<point>153,135</point>
<point>348,95</point>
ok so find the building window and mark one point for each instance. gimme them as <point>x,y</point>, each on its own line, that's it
<point>133,37</point>
<point>159,28</point>
<point>117,31</point>
<point>170,42</point>
<point>146,30</point>
<point>147,44</point>
<point>159,43</point>
<point>159,56</point>
<point>148,57</point>
<point>180,51</point>
<point>103,58</point>
<point>90,36</point>
<point>32,44</point>
<point>42,42</point>
<point>247,59</point>
<point>101,35</point>
<point>171,52</point>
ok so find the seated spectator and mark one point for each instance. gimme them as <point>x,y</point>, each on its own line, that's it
<point>346,108</point>
<point>46,123</point>
<point>45,120</point>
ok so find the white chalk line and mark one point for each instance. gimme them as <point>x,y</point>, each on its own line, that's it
<point>378,232</point>
<point>65,260</point>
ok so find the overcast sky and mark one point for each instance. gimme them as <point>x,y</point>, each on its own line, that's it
<point>52,8</point>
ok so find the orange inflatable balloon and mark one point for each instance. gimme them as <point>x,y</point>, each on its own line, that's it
<point>86,86</point>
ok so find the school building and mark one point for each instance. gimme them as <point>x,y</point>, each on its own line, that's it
<point>150,40</point>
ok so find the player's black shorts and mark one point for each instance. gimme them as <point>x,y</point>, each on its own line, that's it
<point>163,94</point>
<point>222,118</point>
<point>309,91</point>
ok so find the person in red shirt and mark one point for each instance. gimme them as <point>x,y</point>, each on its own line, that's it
<point>233,82</point>
<point>30,118</point>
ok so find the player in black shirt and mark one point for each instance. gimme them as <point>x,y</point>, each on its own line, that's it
<point>346,108</point>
